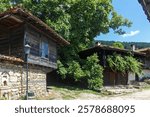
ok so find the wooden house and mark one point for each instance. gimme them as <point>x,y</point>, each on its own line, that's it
<point>111,77</point>
<point>146,63</point>
<point>17,28</point>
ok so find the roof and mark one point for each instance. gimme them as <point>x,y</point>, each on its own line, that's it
<point>16,16</point>
<point>10,59</point>
<point>143,49</point>
<point>98,48</point>
<point>146,7</point>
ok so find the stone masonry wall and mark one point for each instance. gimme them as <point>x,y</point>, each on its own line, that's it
<point>13,80</point>
<point>37,81</point>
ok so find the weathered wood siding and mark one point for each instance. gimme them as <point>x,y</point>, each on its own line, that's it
<point>43,49</point>
<point>147,62</point>
<point>11,42</point>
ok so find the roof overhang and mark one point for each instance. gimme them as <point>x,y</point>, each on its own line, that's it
<point>19,16</point>
<point>146,7</point>
<point>83,54</point>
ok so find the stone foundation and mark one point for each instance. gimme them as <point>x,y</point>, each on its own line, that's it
<point>131,78</point>
<point>13,80</point>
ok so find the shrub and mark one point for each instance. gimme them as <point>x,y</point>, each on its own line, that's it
<point>93,72</point>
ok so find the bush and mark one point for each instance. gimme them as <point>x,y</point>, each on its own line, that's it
<point>93,72</point>
<point>90,72</point>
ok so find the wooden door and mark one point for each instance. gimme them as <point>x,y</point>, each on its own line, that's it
<point>112,77</point>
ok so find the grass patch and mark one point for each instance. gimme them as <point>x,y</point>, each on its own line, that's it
<point>65,92</point>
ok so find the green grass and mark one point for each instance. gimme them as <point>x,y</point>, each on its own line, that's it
<point>69,92</point>
<point>65,92</point>
<point>2,98</point>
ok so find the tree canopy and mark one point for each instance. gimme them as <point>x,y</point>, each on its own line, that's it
<point>118,45</point>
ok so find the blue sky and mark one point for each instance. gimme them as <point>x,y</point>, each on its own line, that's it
<point>140,30</point>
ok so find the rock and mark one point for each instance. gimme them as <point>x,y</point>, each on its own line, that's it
<point>137,87</point>
<point>147,81</point>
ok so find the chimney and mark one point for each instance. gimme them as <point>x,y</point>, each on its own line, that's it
<point>133,47</point>
<point>97,43</point>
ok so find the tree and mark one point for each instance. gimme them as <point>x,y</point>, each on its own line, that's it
<point>78,21</point>
<point>118,45</point>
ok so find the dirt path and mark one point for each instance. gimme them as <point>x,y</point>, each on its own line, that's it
<point>56,93</point>
<point>142,95</point>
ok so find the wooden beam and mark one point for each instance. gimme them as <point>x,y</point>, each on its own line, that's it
<point>9,38</point>
<point>6,16</point>
<point>15,18</point>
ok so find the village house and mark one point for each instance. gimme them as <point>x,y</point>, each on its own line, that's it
<point>146,63</point>
<point>18,28</point>
<point>111,77</point>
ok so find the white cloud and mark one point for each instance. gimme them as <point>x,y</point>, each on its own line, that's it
<point>130,34</point>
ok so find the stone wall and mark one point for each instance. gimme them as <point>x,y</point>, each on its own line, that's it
<point>37,80</point>
<point>131,77</point>
<point>145,73</point>
<point>13,80</point>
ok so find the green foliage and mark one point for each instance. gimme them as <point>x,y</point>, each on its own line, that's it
<point>62,70</point>
<point>23,97</point>
<point>90,70</point>
<point>118,45</point>
<point>117,21</point>
<point>127,45</point>
<point>93,72</point>
<point>3,98</point>
<point>133,65</point>
<point>116,62</point>
<point>75,71</point>
<point>124,64</point>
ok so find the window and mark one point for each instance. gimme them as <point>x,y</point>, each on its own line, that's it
<point>44,49</point>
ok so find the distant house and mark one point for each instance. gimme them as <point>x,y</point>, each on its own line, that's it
<point>146,7</point>
<point>17,28</point>
<point>111,77</point>
<point>146,62</point>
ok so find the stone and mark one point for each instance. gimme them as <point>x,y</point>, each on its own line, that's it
<point>17,81</point>
<point>147,81</point>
